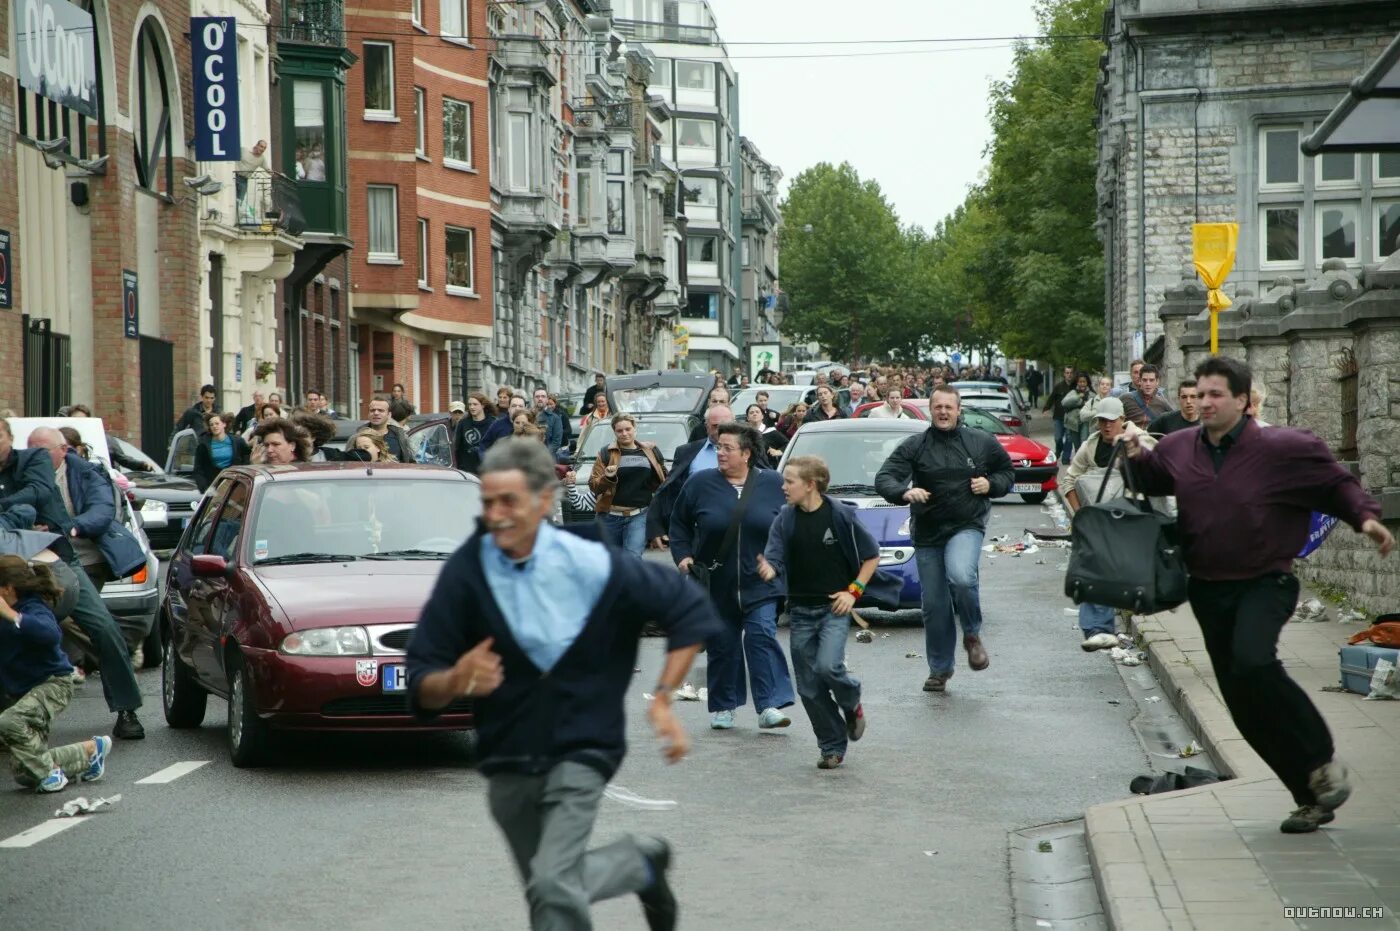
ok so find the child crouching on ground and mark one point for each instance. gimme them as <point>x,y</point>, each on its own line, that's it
<point>34,672</point>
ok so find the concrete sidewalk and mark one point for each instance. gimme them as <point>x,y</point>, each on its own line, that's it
<point>1213,857</point>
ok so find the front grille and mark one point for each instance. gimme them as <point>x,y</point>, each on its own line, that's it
<point>396,639</point>
<point>380,706</point>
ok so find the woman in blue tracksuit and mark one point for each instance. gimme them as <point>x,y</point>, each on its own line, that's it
<point>700,524</point>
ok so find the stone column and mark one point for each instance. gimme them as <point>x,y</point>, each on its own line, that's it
<point>1266,350</point>
<point>1180,304</point>
<point>1375,319</point>
<point>1319,347</point>
<point>1194,344</point>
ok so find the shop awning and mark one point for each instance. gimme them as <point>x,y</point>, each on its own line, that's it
<point>1368,118</point>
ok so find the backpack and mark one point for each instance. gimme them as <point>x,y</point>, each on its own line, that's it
<point>1385,632</point>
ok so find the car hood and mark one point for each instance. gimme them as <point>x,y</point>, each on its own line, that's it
<point>334,594</point>
<point>1021,448</point>
<point>884,523</point>
<point>165,485</point>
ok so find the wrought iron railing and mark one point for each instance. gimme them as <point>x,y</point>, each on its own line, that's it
<point>267,202</point>
<point>315,22</point>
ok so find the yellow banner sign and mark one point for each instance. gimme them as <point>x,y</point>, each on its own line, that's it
<point>1213,252</point>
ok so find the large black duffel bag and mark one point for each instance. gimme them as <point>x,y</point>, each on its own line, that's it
<point>1125,554</point>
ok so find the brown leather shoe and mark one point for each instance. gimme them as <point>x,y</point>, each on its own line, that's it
<point>976,653</point>
<point>937,682</point>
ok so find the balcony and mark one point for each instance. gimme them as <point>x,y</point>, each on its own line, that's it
<point>645,31</point>
<point>268,204</point>
<point>758,210</point>
<point>525,55</point>
<point>313,22</point>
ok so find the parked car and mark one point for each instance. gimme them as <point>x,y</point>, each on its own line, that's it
<point>662,392</point>
<point>1001,404</point>
<point>134,599</point>
<point>428,435</point>
<point>295,592</point>
<point>996,387</point>
<point>667,431</point>
<point>166,501</point>
<point>781,397</point>
<point>854,450</point>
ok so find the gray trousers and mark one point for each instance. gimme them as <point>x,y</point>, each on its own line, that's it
<point>547,820</point>
<point>119,685</point>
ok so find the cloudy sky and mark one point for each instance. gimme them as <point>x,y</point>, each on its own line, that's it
<point>916,123</point>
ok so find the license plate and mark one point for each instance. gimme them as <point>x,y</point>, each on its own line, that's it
<point>394,678</point>
<point>1025,488</point>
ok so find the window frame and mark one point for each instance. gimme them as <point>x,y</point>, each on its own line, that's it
<point>464,14</point>
<point>709,67</point>
<point>457,290</point>
<point>420,115</point>
<point>379,257</point>
<point>516,118</point>
<point>469,164</point>
<point>1355,207</point>
<point>1264,260</point>
<point>416,14</point>
<point>375,114</point>
<point>424,277</point>
<point>1379,204</point>
<point>620,227</point>
<point>1264,183</point>
<point>712,238</point>
<point>583,196</point>
<point>1323,185</point>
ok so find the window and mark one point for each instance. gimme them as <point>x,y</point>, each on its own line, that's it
<point>1281,239</point>
<point>383,222</point>
<point>519,124</point>
<point>700,192</point>
<point>454,19</point>
<point>418,13</point>
<point>153,135</point>
<point>617,206</point>
<point>379,79</point>
<point>1336,231</point>
<point>584,196</point>
<point>695,134</point>
<point>225,537</point>
<point>460,273</point>
<point>456,133</point>
<point>617,162</point>
<point>1387,227</point>
<point>309,122</point>
<point>422,253</point>
<point>1388,166</point>
<point>1335,168</point>
<point>1282,158</point>
<point>695,75</point>
<point>702,249</point>
<point>701,306</point>
<point>420,111</point>
<point>744,256</point>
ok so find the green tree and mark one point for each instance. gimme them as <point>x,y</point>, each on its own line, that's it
<point>845,259</point>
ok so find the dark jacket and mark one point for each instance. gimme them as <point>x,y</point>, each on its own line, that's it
<point>193,419</point>
<point>1252,517</point>
<point>944,462</point>
<point>466,443</point>
<point>500,428</point>
<point>28,478</point>
<point>406,451</point>
<point>698,525</point>
<point>534,721</point>
<point>815,414</point>
<point>664,501</point>
<point>553,428</point>
<point>204,469</point>
<point>857,545</point>
<point>95,516</point>
<point>1055,401</point>
<point>30,654</point>
<point>243,418</point>
<point>588,396</point>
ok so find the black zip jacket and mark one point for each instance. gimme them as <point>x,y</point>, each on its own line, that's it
<point>943,463</point>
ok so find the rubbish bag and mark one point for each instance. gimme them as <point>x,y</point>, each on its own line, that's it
<point>1170,782</point>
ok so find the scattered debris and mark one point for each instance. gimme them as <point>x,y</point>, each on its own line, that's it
<point>913,656</point>
<point>1335,688</point>
<point>631,799</point>
<point>81,806</point>
<point>1351,616</point>
<point>929,853</point>
<point>885,636</point>
<point>1114,701</point>
<point>1310,611</point>
<point>1153,698</point>
<point>1124,657</point>
<point>1072,612</point>
<point>1040,562</point>
<point>1170,782</point>
<point>865,636</point>
<point>1385,682</point>
<point>1045,847</point>
<point>1190,750</point>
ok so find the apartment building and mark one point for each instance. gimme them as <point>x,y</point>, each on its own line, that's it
<point>760,300</point>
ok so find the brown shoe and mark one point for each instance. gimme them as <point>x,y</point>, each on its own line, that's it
<point>937,682</point>
<point>976,653</point>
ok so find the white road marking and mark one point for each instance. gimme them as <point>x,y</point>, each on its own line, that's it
<point>171,773</point>
<point>35,834</point>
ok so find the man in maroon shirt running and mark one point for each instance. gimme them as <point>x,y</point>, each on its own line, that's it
<point>1244,495</point>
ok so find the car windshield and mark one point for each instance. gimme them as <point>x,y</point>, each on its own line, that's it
<point>780,398</point>
<point>132,453</point>
<point>853,456</point>
<point>981,420</point>
<point>364,517</point>
<point>666,434</point>
<point>660,399</point>
<point>989,402</point>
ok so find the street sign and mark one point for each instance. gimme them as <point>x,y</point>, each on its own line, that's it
<point>1213,252</point>
<point>6,297</point>
<point>55,52</point>
<point>215,55</point>
<point>238,367</point>
<point>956,357</point>
<point>131,322</point>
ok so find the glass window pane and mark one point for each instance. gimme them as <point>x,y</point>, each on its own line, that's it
<point>695,75</point>
<point>379,76</point>
<point>617,207</point>
<point>456,131</point>
<point>1338,166</point>
<point>1388,165</point>
<point>585,198</point>
<point>452,23</point>
<point>422,252</point>
<point>701,248</point>
<point>1281,156</point>
<point>696,133</point>
<point>1336,225</point>
<point>520,151</point>
<point>617,162</point>
<point>459,258</point>
<point>1387,228</point>
<point>309,119</point>
<point>1281,235</point>
<point>699,191</point>
<point>383,221</point>
<point>419,106</point>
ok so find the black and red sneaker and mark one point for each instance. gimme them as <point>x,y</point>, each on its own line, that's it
<point>855,722</point>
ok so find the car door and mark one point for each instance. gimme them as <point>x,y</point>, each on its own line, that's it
<point>432,444</point>
<point>223,604</point>
<point>202,595</point>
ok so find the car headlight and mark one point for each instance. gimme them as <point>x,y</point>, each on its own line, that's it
<point>904,527</point>
<point>896,555</point>
<point>1049,458</point>
<point>151,509</point>
<point>327,641</point>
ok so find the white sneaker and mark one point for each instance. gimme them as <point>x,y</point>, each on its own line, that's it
<point>772,717</point>
<point>1099,642</point>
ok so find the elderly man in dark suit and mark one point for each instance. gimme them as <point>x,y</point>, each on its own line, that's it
<point>692,457</point>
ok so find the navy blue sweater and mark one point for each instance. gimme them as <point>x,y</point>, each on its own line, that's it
<point>534,720</point>
<point>857,545</point>
<point>30,653</point>
<point>698,526</point>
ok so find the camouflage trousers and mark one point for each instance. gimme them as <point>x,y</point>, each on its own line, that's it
<point>24,728</point>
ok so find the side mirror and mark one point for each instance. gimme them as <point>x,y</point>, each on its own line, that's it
<point>206,566</point>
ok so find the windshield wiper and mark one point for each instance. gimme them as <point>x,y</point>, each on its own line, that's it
<point>307,557</point>
<point>408,554</point>
<point>849,487</point>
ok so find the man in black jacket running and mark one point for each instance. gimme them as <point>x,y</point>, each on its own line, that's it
<point>946,475</point>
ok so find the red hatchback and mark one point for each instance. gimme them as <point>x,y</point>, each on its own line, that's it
<point>294,591</point>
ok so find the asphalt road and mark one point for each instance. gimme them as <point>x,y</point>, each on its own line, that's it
<point>364,832</point>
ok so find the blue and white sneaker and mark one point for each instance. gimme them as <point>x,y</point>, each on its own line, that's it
<point>54,781</point>
<point>98,766</point>
<point>722,720</point>
<point>772,717</point>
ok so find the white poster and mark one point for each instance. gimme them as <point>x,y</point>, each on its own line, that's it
<point>764,356</point>
<point>55,52</point>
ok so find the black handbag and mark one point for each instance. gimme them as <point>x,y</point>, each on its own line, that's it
<point>1125,554</point>
<point>700,571</point>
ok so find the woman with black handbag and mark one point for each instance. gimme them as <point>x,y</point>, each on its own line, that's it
<point>719,528</point>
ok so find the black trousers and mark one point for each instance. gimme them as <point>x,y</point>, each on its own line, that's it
<point>1241,622</point>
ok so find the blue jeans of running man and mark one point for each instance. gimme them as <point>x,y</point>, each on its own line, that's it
<point>1061,439</point>
<point>948,575</point>
<point>755,639</point>
<point>628,532</point>
<point>1097,619</point>
<point>818,644</point>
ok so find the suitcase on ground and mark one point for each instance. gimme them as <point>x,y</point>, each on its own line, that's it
<point>1357,663</point>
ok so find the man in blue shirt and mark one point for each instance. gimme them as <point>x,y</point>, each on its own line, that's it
<point>540,628</point>
<point>690,458</point>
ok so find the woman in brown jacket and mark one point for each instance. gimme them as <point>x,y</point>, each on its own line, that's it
<point>624,478</point>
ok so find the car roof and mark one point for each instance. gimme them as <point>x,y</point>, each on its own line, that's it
<point>865,424</point>
<point>349,471</point>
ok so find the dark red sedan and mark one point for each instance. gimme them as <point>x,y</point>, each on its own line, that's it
<point>294,591</point>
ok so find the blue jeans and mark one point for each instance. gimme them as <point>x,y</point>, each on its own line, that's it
<point>119,685</point>
<point>948,576</point>
<point>755,637</point>
<point>818,643</point>
<point>630,532</point>
<point>1097,619</point>
<point>1061,439</point>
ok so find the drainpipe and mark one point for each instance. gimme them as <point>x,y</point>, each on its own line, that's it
<point>1141,184</point>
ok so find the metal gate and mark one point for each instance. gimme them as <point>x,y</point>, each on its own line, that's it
<point>47,368</point>
<point>157,396</point>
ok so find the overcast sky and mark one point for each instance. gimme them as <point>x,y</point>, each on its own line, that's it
<point>916,123</point>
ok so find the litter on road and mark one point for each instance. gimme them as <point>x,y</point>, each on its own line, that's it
<point>1125,658</point>
<point>1191,749</point>
<point>1309,611</point>
<point>913,656</point>
<point>865,636</point>
<point>81,806</point>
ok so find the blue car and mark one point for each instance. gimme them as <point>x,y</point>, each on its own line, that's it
<point>854,450</point>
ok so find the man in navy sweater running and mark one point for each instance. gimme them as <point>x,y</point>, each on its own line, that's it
<point>540,628</point>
